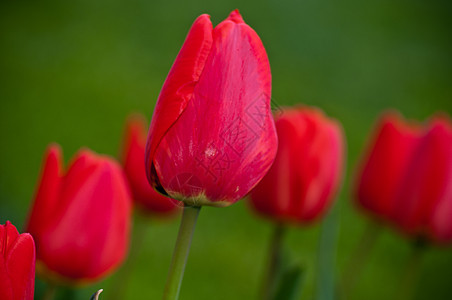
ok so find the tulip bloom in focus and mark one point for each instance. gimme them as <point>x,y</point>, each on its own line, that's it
<point>406,179</point>
<point>133,161</point>
<point>212,136</point>
<point>17,264</point>
<point>80,218</point>
<point>304,178</point>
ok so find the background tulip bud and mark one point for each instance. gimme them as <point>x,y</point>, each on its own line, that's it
<point>302,181</point>
<point>80,219</point>
<point>17,264</point>
<point>424,200</point>
<point>385,161</point>
<point>212,135</point>
<point>133,161</point>
<point>406,178</point>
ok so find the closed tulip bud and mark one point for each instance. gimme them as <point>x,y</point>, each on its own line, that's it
<point>133,161</point>
<point>406,177</point>
<point>17,264</point>
<point>212,136</point>
<point>305,176</point>
<point>80,218</point>
<point>424,201</point>
<point>387,157</point>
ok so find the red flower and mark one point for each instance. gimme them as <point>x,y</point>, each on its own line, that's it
<point>133,161</point>
<point>388,156</point>
<point>406,179</point>
<point>81,219</point>
<point>304,178</point>
<point>424,201</point>
<point>212,135</point>
<point>17,264</point>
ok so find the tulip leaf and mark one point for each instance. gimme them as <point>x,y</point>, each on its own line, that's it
<point>95,296</point>
<point>289,287</point>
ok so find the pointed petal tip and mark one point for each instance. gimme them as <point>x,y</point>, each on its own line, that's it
<point>235,17</point>
<point>54,149</point>
<point>441,119</point>
<point>54,155</point>
<point>136,123</point>
<point>135,117</point>
<point>207,16</point>
<point>204,18</point>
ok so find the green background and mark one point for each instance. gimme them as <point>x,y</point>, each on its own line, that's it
<point>71,71</point>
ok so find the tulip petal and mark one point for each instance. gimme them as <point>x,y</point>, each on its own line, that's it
<point>425,195</point>
<point>178,88</point>
<point>388,156</point>
<point>319,163</point>
<point>20,264</point>
<point>48,189</point>
<point>8,234</point>
<point>225,141</point>
<point>273,196</point>
<point>134,166</point>
<point>6,290</point>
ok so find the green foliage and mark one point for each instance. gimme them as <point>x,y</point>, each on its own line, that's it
<point>70,72</point>
<point>290,284</point>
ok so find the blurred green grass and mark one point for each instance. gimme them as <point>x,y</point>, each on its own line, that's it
<point>70,72</point>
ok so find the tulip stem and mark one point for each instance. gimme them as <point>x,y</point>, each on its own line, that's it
<point>49,292</point>
<point>412,271</point>
<point>180,254</point>
<point>357,260</point>
<point>274,262</point>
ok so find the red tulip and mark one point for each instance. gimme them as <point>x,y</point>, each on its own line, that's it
<point>212,136</point>
<point>406,179</point>
<point>17,264</point>
<point>388,156</point>
<point>304,178</point>
<point>424,201</point>
<point>133,161</point>
<point>80,219</point>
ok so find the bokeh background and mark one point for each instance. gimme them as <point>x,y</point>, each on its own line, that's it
<point>71,71</point>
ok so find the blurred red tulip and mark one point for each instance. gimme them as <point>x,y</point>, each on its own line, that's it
<point>212,136</point>
<point>387,158</point>
<point>133,161</point>
<point>424,201</point>
<point>407,177</point>
<point>81,219</point>
<point>302,182</point>
<point>17,264</point>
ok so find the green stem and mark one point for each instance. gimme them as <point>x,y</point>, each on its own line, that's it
<point>358,259</point>
<point>410,278</point>
<point>50,292</point>
<point>274,263</point>
<point>180,254</point>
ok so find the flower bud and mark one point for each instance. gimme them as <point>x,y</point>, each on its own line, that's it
<point>17,264</point>
<point>212,136</point>
<point>304,178</point>
<point>387,157</point>
<point>80,218</point>
<point>424,200</point>
<point>406,177</point>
